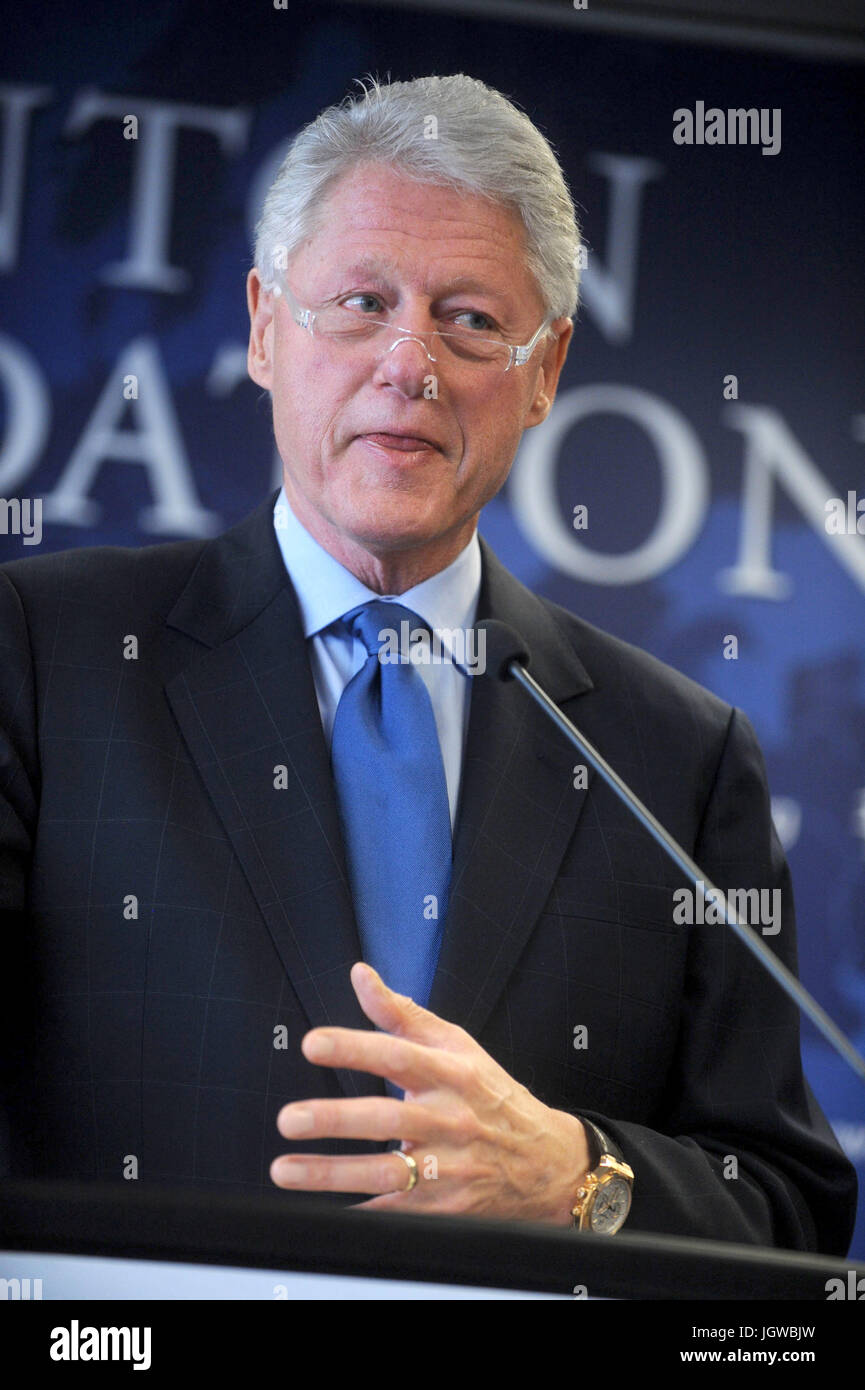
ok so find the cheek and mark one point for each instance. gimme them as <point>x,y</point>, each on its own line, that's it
<point>302,381</point>
<point>492,427</point>
<point>308,397</point>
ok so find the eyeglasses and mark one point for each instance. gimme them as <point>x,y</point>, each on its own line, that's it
<point>347,327</point>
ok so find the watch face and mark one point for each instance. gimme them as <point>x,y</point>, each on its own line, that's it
<point>611,1206</point>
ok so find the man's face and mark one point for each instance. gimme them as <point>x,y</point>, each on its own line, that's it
<point>372,458</point>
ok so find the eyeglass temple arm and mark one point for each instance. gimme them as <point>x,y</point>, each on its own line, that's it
<point>522,354</point>
<point>305,318</point>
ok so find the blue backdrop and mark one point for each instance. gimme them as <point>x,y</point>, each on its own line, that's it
<point>711,405</point>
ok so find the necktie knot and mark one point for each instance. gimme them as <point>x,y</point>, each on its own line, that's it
<point>388,626</point>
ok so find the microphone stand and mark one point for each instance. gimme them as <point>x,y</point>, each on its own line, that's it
<point>512,667</point>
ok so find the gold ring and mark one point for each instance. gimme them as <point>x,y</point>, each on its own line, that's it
<point>412,1170</point>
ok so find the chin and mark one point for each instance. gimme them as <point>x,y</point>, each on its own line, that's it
<point>379,539</point>
<point>395,519</point>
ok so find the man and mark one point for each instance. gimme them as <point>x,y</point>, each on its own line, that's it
<point>220,797</point>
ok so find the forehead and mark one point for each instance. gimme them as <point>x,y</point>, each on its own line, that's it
<point>377,219</point>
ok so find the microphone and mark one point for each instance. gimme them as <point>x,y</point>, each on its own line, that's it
<point>503,646</point>
<point>507,657</point>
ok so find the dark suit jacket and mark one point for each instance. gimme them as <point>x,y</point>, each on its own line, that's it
<point>171,915</point>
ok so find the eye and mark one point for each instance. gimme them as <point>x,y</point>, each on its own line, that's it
<point>481,323</point>
<point>367,303</point>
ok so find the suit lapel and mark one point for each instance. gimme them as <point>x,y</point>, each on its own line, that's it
<point>518,809</point>
<point>247,705</point>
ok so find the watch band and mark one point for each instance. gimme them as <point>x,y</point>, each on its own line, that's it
<point>599,1144</point>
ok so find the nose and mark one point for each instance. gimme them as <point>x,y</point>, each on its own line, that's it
<point>406,362</point>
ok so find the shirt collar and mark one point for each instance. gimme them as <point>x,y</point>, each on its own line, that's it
<point>326,589</point>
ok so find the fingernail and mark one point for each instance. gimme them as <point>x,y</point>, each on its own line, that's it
<point>297,1122</point>
<point>321,1045</point>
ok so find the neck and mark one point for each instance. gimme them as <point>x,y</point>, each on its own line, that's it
<point>384,571</point>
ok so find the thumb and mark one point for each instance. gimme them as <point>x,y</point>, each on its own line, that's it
<point>396,1013</point>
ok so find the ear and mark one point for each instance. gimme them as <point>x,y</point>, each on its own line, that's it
<point>259,357</point>
<point>549,371</point>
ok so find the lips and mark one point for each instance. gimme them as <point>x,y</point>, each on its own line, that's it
<point>404,443</point>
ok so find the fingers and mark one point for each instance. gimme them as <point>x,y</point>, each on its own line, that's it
<point>415,1050</point>
<point>375,1173</point>
<point>368,1117</point>
<point>409,1065</point>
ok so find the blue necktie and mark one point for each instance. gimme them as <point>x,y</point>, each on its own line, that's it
<point>393,801</point>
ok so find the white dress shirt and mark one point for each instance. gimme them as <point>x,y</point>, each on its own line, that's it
<point>326,590</point>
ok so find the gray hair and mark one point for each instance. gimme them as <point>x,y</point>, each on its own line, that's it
<point>452,131</point>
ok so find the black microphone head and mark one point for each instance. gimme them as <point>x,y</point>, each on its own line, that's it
<point>503,645</point>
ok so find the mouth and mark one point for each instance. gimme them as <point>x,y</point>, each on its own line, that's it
<point>402,443</point>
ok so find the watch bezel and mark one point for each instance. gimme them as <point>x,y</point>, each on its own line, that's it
<point>605,1182</point>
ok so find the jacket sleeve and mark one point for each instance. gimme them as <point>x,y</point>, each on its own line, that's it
<point>739,1148</point>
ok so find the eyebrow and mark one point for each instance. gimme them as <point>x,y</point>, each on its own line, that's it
<point>383,269</point>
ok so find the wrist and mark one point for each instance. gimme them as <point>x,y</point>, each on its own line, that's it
<point>576,1165</point>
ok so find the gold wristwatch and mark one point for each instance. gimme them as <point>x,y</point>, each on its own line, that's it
<point>604,1198</point>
